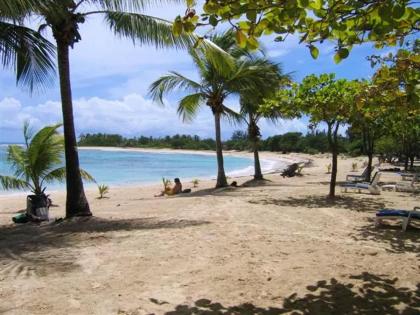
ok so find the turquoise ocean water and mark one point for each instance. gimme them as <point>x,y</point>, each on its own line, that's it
<point>123,167</point>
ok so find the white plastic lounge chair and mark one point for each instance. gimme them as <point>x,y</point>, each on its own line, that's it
<point>357,178</point>
<point>406,215</point>
<point>372,187</point>
<point>405,186</point>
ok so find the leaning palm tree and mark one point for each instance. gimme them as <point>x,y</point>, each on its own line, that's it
<point>64,17</point>
<point>38,162</point>
<point>252,99</point>
<point>214,86</point>
<point>23,49</point>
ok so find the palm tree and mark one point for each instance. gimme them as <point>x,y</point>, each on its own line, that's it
<point>215,85</point>
<point>38,162</point>
<point>63,17</point>
<point>252,99</point>
<point>23,49</point>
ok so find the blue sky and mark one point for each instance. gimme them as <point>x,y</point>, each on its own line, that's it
<point>110,79</point>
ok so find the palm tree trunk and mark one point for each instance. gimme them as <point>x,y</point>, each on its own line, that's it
<point>221,176</point>
<point>257,166</point>
<point>76,203</point>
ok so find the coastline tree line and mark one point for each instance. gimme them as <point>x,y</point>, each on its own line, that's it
<point>230,65</point>
<point>311,143</point>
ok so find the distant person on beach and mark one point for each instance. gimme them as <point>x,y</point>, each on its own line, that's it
<point>177,189</point>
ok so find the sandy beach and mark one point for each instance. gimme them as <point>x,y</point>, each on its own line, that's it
<point>273,247</point>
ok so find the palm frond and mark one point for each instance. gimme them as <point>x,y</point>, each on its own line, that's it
<point>16,8</point>
<point>9,182</point>
<point>146,29</point>
<point>216,57</point>
<point>232,116</point>
<point>86,176</point>
<point>129,5</point>
<point>31,55</point>
<point>16,156</point>
<point>45,150</point>
<point>170,82</point>
<point>188,106</point>
<point>58,174</point>
<point>27,132</point>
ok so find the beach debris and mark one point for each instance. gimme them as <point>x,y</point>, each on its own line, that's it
<point>158,302</point>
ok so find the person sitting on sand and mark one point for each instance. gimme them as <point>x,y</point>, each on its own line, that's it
<point>177,189</point>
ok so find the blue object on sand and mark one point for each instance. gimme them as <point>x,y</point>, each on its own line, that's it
<point>397,213</point>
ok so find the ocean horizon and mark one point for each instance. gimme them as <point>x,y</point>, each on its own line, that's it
<point>122,167</point>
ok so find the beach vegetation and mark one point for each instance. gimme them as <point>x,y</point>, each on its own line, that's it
<point>38,162</point>
<point>329,168</point>
<point>24,50</point>
<point>313,142</point>
<point>195,183</point>
<point>64,18</point>
<point>345,23</point>
<point>215,84</point>
<point>323,99</point>
<point>251,100</point>
<point>185,142</point>
<point>103,190</point>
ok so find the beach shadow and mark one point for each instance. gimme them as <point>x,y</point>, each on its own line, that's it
<point>361,294</point>
<point>317,201</point>
<point>398,242</point>
<point>238,190</point>
<point>28,248</point>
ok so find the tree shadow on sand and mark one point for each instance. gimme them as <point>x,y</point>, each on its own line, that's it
<point>396,240</point>
<point>317,201</point>
<point>29,245</point>
<point>363,294</point>
<point>238,190</point>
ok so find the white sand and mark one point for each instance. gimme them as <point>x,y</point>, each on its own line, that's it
<point>273,248</point>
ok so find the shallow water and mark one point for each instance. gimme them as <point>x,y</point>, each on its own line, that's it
<point>123,167</point>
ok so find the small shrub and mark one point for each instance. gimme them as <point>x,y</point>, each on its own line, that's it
<point>329,168</point>
<point>103,190</point>
<point>354,167</point>
<point>195,183</point>
<point>311,151</point>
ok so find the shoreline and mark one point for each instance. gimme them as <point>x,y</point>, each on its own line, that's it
<point>271,163</point>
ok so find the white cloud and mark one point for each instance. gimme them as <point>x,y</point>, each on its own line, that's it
<point>131,116</point>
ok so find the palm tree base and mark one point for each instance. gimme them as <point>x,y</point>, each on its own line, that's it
<point>221,184</point>
<point>79,214</point>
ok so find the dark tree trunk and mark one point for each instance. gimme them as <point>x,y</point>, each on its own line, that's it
<point>407,159</point>
<point>332,140</point>
<point>369,167</point>
<point>221,176</point>
<point>257,166</point>
<point>412,162</point>
<point>254,137</point>
<point>76,203</point>
<point>370,147</point>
